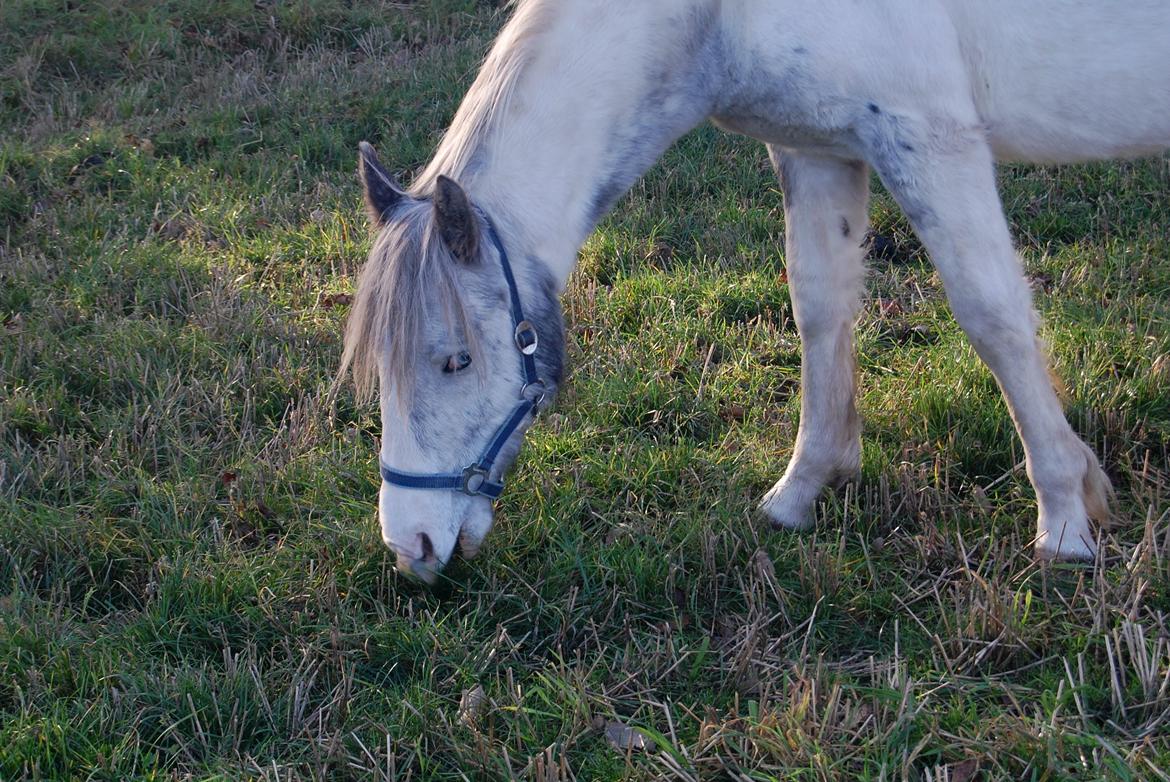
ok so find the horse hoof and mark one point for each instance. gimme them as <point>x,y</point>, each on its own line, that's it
<point>789,504</point>
<point>782,517</point>
<point>1070,548</point>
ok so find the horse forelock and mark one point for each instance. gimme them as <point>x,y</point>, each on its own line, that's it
<point>408,268</point>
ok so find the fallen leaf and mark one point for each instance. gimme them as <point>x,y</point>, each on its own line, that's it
<point>734,413</point>
<point>625,738</point>
<point>618,532</point>
<point>1041,283</point>
<point>318,215</point>
<point>172,228</point>
<point>14,324</point>
<point>471,706</point>
<point>763,566</point>
<point>979,495</point>
<point>965,771</point>
<point>227,477</point>
<point>331,300</point>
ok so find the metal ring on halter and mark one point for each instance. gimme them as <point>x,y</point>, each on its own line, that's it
<point>474,477</point>
<point>526,338</point>
<point>534,392</point>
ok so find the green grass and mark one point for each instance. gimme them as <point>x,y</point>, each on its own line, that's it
<point>192,585</point>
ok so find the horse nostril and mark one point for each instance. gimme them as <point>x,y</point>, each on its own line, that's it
<point>428,548</point>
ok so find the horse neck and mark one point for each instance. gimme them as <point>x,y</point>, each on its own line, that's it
<point>604,88</point>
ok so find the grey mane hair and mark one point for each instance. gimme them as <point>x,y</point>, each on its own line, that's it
<point>488,98</point>
<point>387,319</point>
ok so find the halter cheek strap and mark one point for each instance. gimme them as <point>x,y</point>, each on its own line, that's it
<point>474,479</point>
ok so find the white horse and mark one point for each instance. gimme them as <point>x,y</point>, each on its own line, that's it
<point>457,308</point>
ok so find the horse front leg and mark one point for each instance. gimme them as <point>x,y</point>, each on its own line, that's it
<point>947,188</point>
<point>826,216</point>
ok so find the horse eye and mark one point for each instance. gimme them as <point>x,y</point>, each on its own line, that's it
<point>457,363</point>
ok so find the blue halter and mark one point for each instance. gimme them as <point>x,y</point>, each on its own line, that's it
<point>474,479</point>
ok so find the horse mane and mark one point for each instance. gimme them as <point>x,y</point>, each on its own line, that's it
<point>409,264</point>
<point>489,96</point>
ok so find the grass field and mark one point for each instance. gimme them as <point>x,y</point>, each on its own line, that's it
<point>192,584</point>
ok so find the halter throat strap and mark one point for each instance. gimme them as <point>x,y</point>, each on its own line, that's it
<point>475,478</point>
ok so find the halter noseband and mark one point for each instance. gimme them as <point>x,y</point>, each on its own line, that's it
<point>474,479</point>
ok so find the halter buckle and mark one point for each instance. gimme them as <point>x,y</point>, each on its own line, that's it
<point>526,338</point>
<point>474,477</point>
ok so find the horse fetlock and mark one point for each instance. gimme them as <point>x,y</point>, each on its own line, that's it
<point>1096,488</point>
<point>1067,470</point>
<point>848,466</point>
<point>845,476</point>
<point>1067,504</point>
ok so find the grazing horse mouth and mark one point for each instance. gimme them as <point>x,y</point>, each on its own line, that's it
<point>425,561</point>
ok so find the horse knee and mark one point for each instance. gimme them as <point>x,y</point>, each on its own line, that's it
<point>998,327</point>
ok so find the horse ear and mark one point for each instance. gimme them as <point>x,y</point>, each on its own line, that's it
<point>456,220</point>
<point>382,194</point>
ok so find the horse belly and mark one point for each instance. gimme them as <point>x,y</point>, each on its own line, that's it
<point>1047,80</point>
<point>808,76</point>
<point>1069,81</point>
